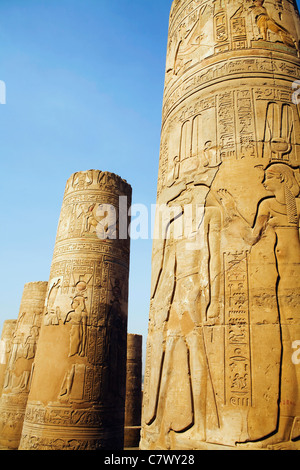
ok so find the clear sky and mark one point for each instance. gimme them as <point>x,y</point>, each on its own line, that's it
<point>84,86</point>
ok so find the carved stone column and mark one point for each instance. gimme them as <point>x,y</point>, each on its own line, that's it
<point>5,347</point>
<point>133,403</point>
<point>19,368</point>
<point>221,368</point>
<point>77,398</point>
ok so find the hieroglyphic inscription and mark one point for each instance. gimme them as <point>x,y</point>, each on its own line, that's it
<point>238,32</point>
<point>86,308</point>
<point>253,65</point>
<point>245,124</point>
<point>221,28</point>
<point>226,124</point>
<point>179,14</point>
<point>238,388</point>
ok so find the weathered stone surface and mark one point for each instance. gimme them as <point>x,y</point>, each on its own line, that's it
<point>9,327</point>
<point>133,403</point>
<point>224,315</point>
<point>19,368</point>
<point>77,397</point>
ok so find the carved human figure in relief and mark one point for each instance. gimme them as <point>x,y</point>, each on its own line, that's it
<point>265,23</point>
<point>280,213</point>
<point>52,313</point>
<point>78,319</point>
<point>31,343</point>
<point>91,218</point>
<point>178,375</point>
<point>67,383</point>
<point>102,220</point>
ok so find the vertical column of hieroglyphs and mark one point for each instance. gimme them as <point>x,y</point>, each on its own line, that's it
<point>224,315</point>
<point>133,403</point>
<point>20,365</point>
<point>5,348</point>
<point>77,397</point>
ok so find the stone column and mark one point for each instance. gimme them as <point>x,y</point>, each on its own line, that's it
<point>77,398</point>
<point>5,347</point>
<point>19,368</point>
<point>221,368</point>
<point>133,403</point>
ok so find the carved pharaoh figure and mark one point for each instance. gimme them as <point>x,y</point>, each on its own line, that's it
<point>225,267</point>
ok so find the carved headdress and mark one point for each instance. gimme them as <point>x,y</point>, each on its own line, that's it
<point>291,180</point>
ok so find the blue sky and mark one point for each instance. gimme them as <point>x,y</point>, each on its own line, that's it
<point>84,86</point>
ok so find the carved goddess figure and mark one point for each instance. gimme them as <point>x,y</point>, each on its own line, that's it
<point>280,213</point>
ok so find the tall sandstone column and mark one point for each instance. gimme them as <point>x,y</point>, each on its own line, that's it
<point>133,403</point>
<point>77,398</point>
<point>8,330</point>
<point>224,316</point>
<point>19,368</point>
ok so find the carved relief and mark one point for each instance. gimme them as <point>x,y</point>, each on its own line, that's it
<point>237,342</point>
<point>266,23</point>
<point>187,45</point>
<point>223,313</point>
<point>5,348</point>
<point>78,319</point>
<point>279,132</point>
<point>19,369</point>
<point>84,330</point>
<point>281,213</point>
<point>206,28</point>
